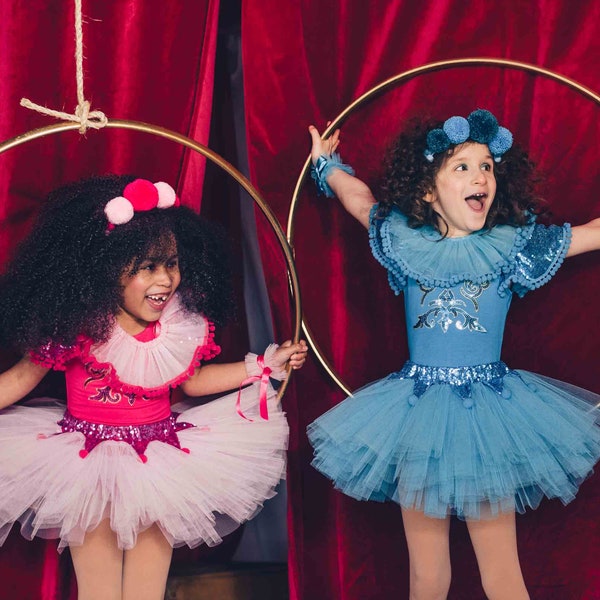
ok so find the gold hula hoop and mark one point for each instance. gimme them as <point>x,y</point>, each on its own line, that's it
<point>220,162</point>
<point>369,95</point>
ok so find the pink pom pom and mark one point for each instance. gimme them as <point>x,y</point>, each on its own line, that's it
<point>166,195</point>
<point>83,453</point>
<point>118,210</point>
<point>139,195</point>
<point>142,194</point>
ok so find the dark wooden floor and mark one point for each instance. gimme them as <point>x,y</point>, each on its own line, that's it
<point>232,581</point>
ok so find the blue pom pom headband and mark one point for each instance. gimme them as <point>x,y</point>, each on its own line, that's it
<point>480,126</point>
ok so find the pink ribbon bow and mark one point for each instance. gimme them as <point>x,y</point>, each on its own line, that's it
<point>262,396</point>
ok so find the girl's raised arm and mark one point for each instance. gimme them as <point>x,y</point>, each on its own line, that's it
<point>354,194</point>
<point>19,380</point>
<point>585,238</point>
<point>217,378</point>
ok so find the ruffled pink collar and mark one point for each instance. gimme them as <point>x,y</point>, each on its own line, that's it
<point>149,368</point>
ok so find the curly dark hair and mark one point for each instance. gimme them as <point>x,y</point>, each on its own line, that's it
<point>408,177</point>
<point>63,280</point>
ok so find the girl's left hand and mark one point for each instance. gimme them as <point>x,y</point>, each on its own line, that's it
<point>322,147</point>
<point>295,354</point>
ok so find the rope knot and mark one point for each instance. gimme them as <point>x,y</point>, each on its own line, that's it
<point>81,112</point>
<point>95,119</point>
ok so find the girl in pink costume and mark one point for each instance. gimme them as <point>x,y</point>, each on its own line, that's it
<point>118,286</point>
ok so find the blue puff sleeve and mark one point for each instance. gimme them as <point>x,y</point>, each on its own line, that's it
<point>381,247</point>
<point>540,258</point>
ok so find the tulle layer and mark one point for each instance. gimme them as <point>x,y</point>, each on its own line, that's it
<point>441,455</point>
<point>232,467</point>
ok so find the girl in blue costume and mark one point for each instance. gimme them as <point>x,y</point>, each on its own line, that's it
<point>456,431</point>
<point>118,286</point>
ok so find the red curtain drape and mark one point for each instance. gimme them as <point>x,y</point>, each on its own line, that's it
<point>305,61</point>
<point>145,60</point>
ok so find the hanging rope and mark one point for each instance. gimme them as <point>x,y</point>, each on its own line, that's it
<point>95,119</point>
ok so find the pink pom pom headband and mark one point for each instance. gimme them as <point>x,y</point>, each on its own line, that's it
<point>139,195</point>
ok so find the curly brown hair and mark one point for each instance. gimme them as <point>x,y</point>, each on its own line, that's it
<point>65,277</point>
<point>408,177</point>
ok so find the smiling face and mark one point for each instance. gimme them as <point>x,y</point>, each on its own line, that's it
<point>147,290</point>
<point>465,187</point>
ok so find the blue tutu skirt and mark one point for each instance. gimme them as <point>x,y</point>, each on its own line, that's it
<point>492,440</point>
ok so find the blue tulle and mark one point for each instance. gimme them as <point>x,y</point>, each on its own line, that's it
<point>436,453</point>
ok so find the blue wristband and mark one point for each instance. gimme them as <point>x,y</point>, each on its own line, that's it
<point>323,167</point>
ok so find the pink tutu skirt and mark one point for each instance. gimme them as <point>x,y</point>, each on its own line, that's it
<point>195,498</point>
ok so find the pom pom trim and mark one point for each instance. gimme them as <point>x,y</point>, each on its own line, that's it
<point>138,196</point>
<point>480,126</point>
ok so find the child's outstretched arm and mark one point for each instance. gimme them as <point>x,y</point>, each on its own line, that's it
<point>354,194</point>
<point>19,380</point>
<point>585,238</point>
<point>213,379</point>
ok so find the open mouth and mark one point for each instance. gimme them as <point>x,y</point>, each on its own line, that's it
<point>157,301</point>
<point>476,201</point>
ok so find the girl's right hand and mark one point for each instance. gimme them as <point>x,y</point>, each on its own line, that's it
<point>354,194</point>
<point>322,147</point>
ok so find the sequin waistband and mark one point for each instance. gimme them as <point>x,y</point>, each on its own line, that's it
<point>137,436</point>
<point>461,379</point>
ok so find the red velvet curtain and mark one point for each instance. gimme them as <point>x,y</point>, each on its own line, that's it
<point>304,62</point>
<point>145,60</point>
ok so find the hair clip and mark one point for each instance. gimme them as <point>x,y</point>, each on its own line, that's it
<point>139,195</point>
<point>480,126</point>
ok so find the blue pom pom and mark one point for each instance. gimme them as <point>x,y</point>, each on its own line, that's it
<point>457,129</point>
<point>468,402</point>
<point>437,141</point>
<point>484,126</point>
<point>506,393</point>
<point>501,142</point>
<point>480,126</point>
<point>412,400</point>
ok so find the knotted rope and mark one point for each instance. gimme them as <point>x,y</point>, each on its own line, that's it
<point>95,119</point>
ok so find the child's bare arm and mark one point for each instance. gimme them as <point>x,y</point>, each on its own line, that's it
<point>354,194</point>
<point>19,380</point>
<point>585,238</point>
<point>216,378</point>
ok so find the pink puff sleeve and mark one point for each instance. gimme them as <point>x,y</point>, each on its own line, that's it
<point>54,355</point>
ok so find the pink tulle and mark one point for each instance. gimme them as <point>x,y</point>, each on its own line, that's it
<point>232,467</point>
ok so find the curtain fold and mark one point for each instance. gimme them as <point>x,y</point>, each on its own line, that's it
<point>145,60</point>
<point>304,62</point>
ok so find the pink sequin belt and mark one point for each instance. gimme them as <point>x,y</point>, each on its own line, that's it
<point>137,436</point>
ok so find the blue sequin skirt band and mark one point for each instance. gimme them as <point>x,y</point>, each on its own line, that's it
<point>461,379</point>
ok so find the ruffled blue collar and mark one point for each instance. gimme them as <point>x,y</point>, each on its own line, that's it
<point>423,255</point>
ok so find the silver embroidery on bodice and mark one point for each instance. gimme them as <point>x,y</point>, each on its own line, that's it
<point>447,310</point>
